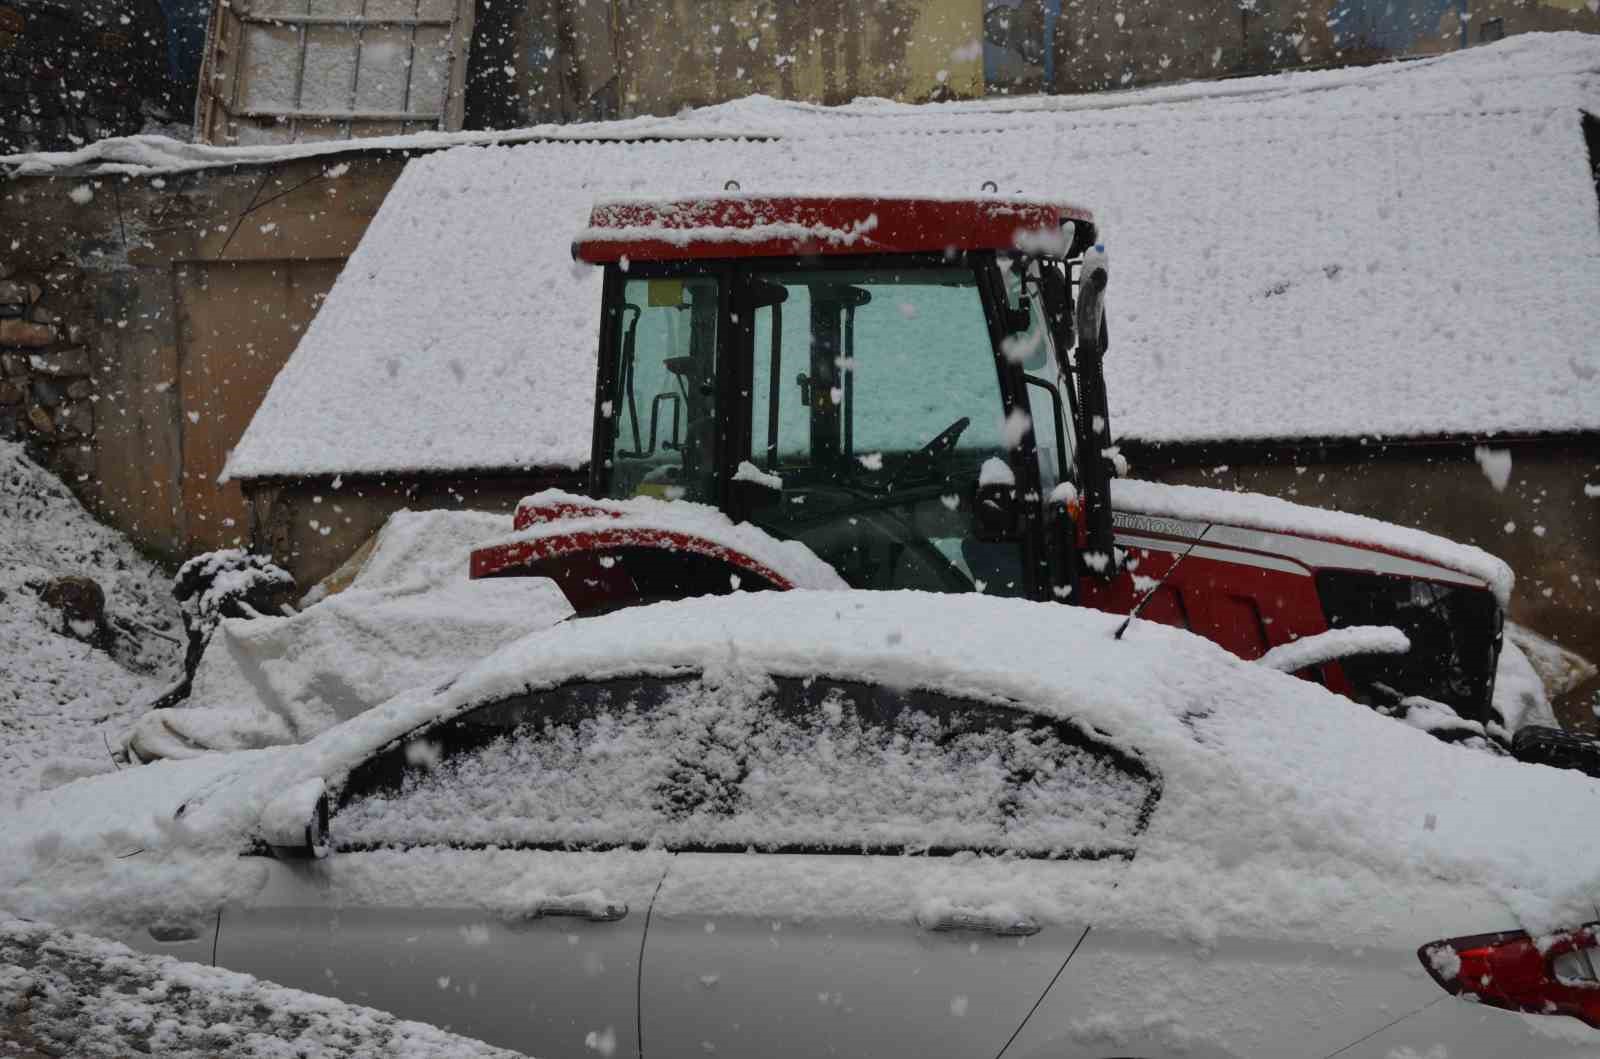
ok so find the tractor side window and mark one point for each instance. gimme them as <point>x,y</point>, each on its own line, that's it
<point>876,403</point>
<point>663,408</point>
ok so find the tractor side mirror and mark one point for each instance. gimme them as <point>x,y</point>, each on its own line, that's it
<point>1091,307</point>
<point>994,506</point>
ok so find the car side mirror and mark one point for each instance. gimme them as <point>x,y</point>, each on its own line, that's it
<point>994,507</point>
<point>294,825</point>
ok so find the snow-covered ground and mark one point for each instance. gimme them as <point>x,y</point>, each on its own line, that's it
<point>62,700</point>
<point>67,993</point>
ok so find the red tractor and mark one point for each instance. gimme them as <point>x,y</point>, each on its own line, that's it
<point>912,389</point>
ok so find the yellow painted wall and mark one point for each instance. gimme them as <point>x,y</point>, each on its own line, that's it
<point>676,53</point>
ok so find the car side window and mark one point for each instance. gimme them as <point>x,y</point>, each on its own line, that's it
<point>696,763</point>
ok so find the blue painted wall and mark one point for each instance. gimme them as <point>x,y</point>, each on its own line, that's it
<point>186,37</point>
<point>1394,25</point>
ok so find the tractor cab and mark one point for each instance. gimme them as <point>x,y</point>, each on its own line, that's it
<point>886,381</point>
<point>907,393</point>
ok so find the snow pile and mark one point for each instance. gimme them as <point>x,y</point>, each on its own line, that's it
<point>1521,695</point>
<point>1556,668</point>
<point>65,993</point>
<point>410,617</point>
<point>210,585</point>
<point>1335,644</point>
<point>61,698</point>
<point>1349,301</point>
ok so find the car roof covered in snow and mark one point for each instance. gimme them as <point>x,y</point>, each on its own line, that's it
<point>1406,250</point>
<point>1268,782</point>
<point>738,225</point>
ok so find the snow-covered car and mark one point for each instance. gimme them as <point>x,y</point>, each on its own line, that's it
<point>864,823</point>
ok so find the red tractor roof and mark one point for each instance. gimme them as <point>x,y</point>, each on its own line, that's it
<point>736,225</point>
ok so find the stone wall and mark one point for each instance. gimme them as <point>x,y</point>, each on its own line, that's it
<point>46,393</point>
<point>143,318</point>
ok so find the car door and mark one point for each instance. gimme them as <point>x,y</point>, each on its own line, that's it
<point>872,871</point>
<point>481,879</point>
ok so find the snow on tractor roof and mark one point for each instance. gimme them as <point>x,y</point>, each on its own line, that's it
<point>801,225</point>
<point>1406,250</point>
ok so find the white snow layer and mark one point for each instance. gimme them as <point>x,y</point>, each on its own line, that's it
<point>62,698</point>
<point>1285,811</point>
<point>411,617</point>
<point>144,155</point>
<point>67,993</point>
<point>1335,644</point>
<point>1401,250</point>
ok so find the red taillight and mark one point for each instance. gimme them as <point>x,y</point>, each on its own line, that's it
<point>1551,975</point>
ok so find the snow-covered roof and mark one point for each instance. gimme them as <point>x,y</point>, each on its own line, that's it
<point>149,155</point>
<point>1404,250</point>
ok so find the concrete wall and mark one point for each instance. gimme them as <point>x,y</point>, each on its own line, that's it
<point>165,306</point>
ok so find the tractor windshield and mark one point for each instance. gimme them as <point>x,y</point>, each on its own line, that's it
<point>876,409</point>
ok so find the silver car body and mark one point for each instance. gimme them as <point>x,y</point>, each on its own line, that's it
<point>1299,853</point>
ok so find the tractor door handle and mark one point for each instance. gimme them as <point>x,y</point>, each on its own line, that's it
<point>590,906</point>
<point>978,921</point>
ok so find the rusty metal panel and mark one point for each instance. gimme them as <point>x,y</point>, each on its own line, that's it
<point>239,322</point>
<point>292,71</point>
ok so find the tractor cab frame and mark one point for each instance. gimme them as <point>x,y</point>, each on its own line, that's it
<point>888,381</point>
